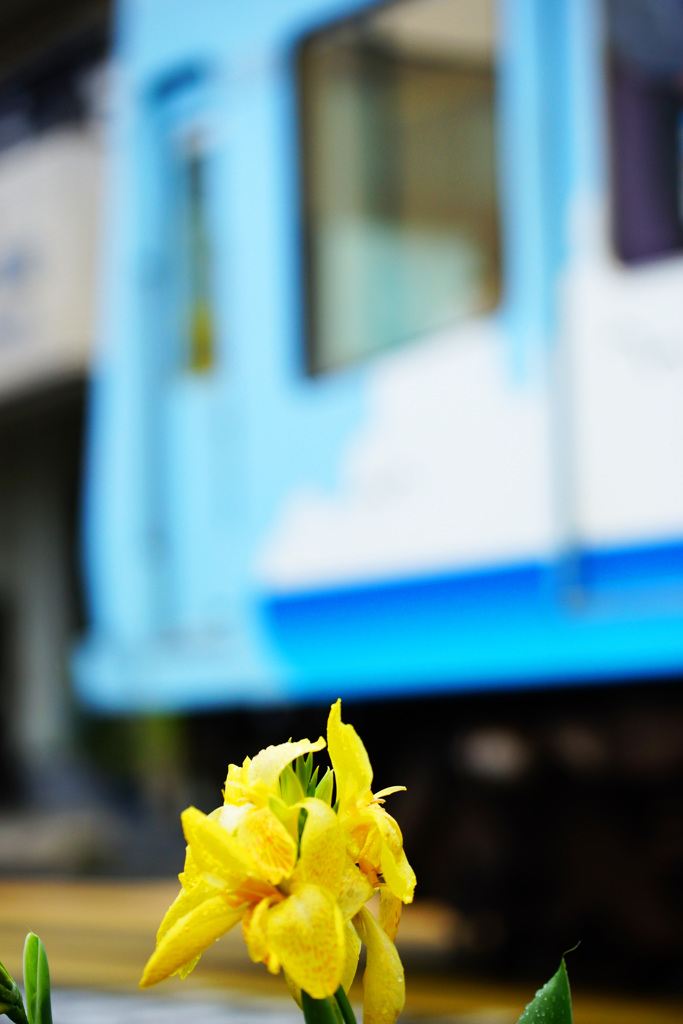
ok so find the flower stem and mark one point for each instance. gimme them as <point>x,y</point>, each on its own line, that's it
<point>321,1011</point>
<point>345,1006</point>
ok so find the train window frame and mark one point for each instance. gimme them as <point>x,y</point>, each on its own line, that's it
<point>317,363</point>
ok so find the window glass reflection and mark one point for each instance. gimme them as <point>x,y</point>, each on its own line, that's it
<point>399,176</point>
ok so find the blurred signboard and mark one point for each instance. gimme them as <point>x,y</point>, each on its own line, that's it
<point>48,201</point>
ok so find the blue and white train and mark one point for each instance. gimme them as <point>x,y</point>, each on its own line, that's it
<point>388,393</point>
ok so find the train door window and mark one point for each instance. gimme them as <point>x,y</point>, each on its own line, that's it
<point>645,68</point>
<point>193,252</point>
<point>400,202</point>
<point>184,229</point>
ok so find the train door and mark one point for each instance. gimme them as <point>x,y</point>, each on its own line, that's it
<point>623,298</point>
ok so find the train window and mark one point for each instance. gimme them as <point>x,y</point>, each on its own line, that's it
<point>645,67</point>
<point>400,203</point>
<point>193,252</point>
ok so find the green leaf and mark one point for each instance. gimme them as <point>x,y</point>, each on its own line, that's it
<point>303,767</point>
<point>37,981</point>
<point>313,782</point>
<point>320,1011</point>
<point>291,789</point>
<point>11,1002</point>
<point>323,790</point>
<point>552,1004</point>
<point>303,816</point>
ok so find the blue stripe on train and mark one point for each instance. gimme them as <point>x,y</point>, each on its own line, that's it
<point>621,615</point>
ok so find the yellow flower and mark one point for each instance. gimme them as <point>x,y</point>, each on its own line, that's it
<point>297,874</point>
<point>257,780</point>
<point>375,839</point>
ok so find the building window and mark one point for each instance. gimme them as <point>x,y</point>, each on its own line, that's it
<point>645,68</point>
<point>400,200</point>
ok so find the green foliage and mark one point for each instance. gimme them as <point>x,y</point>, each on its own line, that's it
<point>299,780</point>
<point>11,1002</point>
<point>552,1003</point>
<point>36,981</point>
<point>36,985</point>
<point>303,815</point>
<point>323,790</point>
<point>290,788</point>
<point>303,766</point>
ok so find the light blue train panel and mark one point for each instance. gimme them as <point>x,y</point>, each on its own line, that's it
<point>388,392</point>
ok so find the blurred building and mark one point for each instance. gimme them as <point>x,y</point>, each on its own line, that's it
<point>52,97</point>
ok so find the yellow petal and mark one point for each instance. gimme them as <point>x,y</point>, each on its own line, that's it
<point>236,783</point>
<point>190,874</point>
<point>265,769</point>
<point>306,933</point>
<point>352,768</point>
<point>388,791</point>
<point>185,901</point>
<point>383,982</point>
<point>352,953</point>
<point>268,844</point>
<point>189,937</point>
<point>390,908</point>
<point>322,856</point>
<point>187,968</point>
<point>397,872</point>
<point>370,853</point>
<point>231,815</point>
<point>254,930</point>
<point>294,990</point>
<point>217,855</point>
<point>287,814</point>
<point>355,891</point>
<point>384,851</point>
